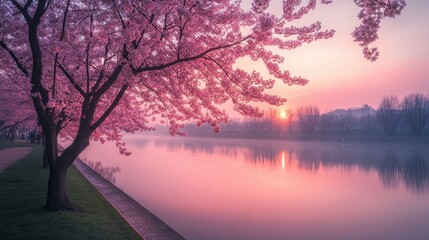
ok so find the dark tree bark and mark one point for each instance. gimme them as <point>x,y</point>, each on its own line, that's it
<point>57,198</point>
<point>45,159</point>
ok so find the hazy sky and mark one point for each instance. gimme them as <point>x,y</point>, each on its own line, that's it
<point>339,75</point>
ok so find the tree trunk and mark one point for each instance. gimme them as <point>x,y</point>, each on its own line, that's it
<point>43,139</point>
<point>57,198</point>
<point>45,159</point>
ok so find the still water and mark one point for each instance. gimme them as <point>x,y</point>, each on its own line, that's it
<point>208,188</point>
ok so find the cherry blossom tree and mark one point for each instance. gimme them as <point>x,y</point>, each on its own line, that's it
<point>94,69</point>
<point>371,14</point>
<point>16,110</point>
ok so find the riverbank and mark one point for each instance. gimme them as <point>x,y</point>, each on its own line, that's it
<point>402,136</point>
<point>401,139</point>
<point>23,194</point>
<point>149,226</point>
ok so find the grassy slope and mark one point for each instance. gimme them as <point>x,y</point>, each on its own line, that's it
<point>23,194</point>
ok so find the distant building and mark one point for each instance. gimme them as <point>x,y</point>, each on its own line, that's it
<point>357,112</point>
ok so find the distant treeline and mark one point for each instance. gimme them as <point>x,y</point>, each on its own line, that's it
<point>18,131</point>
<point>406,119</point>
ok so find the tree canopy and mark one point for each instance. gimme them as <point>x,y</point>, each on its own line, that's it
<point>171,59</point>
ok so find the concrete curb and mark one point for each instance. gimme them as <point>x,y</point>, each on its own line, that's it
<point>144,222</point>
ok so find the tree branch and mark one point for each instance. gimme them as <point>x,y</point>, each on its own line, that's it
<point>24,9</point>
<point>61,118</point>
<point>71,79</point>
<point>163,66</point>
<point>110,109</point>
<point>87,66</point>
<point>40,10</point>
<point>16,123</point>
<point>94,98</point>
<point>109,81</point>
<point>97,83</point>
<point>15,58</point>
<point>63,28</point>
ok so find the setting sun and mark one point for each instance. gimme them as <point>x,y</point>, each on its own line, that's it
<point>283,114</point>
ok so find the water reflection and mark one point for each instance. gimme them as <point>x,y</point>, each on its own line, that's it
<point>308,160</point>
<point>393,165</point>
<point>208,188</point>
<point>389,170</point>
<point>416,174</point>
<point>109,173</point>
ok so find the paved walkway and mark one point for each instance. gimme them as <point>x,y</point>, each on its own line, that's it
<point>144,222</point>
<point>10,155</point>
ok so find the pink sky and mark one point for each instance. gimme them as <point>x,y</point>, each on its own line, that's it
<point>339,75</point>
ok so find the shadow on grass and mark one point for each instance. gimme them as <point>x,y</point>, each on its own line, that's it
<point>23,193</point>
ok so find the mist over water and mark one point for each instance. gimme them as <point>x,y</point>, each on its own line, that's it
<point>208,188</point>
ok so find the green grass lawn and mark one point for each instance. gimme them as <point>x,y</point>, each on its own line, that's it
<point>22,197</point>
